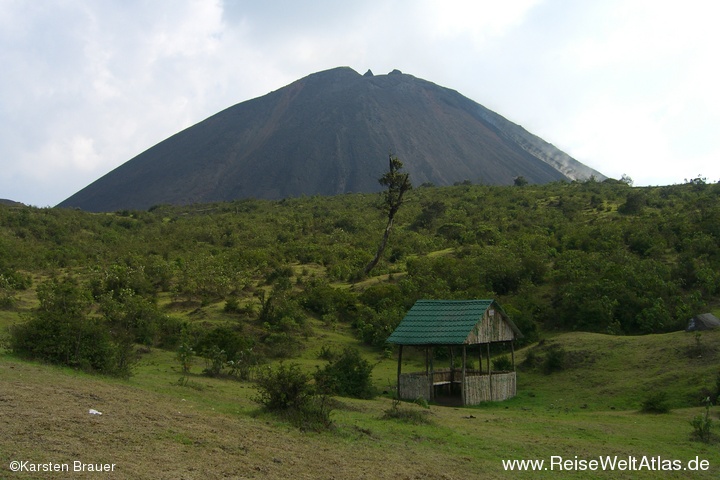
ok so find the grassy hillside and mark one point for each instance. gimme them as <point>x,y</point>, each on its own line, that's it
<point>601,276</point>
<point>152,428</point>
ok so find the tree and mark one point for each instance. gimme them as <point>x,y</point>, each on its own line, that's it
<point>520,181</point>
<point>626,180</point>
<point>397,184</point>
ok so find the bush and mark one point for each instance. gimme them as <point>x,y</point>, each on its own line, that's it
<point>283,388</point>
<point>349,376</point>
<point>185,356</point>
<point>554,359</point>
<point>232,305</point>
<point>702,424</point>
<point>287,391</point>
<point>656,403</point>
<point>503,364</point>
<point>137,316</point>
<point>215,359</point>
<point>314,414</point>
<point>407,415</point>
<point>322,299</point>
<point>60,332</point>
<point>531,360</point>
<point>79,343</point>
<point>228,338</point>
<point>10,282</point>
<point>327,353</point>
<point>243,365</point>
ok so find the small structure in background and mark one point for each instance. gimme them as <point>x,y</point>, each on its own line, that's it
<point>465,324</point>
<point>704,321</point>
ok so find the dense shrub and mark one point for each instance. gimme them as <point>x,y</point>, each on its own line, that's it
<point>322,299</point>
<point>243,364</point>
<point>554,359</point>
<point>287,391</point>
<point>10,282</point>
<point>348,375</point>
<point>228,338</point>
<point>656,402</point>
<point>135,315</point>
<point>215,360</point>
<point>61,332</point>
<point>503,364</point>
<point>375,327</point>
<point>283,388</point>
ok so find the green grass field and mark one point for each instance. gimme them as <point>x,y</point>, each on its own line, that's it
<point>152,428</point>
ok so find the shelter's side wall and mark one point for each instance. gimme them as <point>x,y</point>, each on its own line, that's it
<point>492,328</point>
<point>478,388</point>
<point>504,386</point>
<point>414,386</point>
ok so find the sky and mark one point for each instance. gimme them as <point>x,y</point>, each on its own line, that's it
<point>627,87</point>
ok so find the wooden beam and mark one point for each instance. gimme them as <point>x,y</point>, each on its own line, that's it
<point>490,380</point>
<point>488,356</point>
<point>427,359</point>
<point>512,353</point>
<point>399,370</point>
<point>452,364</point>
<point>462,380</point>
<point>479,359</point>
<point>431,376</point>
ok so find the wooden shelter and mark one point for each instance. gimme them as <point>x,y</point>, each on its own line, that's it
<point>466,325</point>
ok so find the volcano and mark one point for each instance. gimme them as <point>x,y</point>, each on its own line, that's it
<point>326,134</point>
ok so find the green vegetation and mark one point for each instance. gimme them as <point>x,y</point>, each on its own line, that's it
<point>286,390</point>
<point>60,331</point>
<point>406,414</point>
<point>153,428</point>
<point>657,402</point>
<point>598,276</point>
<point>702,423</point>
<point>244,278</point>
<point>348,375</point>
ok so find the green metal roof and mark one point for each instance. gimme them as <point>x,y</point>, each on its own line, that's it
<point>439,322</point>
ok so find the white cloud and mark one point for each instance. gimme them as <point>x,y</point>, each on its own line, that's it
<point>624,86</point>
<point>476,20</point>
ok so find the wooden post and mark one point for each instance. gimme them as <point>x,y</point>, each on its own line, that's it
<point>490,372</point>
<point>488,356</point>
<point>512,353</point>
<point>452,366</point>
<point>479,359</point>
<point>427,360</point>
<point>399,370</point>
<point>431,377</point>
<point>462,384</point>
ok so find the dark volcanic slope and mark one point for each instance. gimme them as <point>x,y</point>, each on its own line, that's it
<point>326,134</point>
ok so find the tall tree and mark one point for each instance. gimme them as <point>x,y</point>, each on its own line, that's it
<point>397,183</point>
